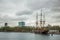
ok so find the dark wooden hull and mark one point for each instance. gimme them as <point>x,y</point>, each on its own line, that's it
<point>44,32</point>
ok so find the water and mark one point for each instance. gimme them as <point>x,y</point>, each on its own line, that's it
<point>26,36</point>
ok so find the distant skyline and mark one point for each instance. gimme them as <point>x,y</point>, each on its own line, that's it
<point>14,11</point>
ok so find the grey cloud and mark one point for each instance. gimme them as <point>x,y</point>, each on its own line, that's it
<point>38,4</point>
<point>56,18</point>
<point>57,4</point>
<point>24,13</point>
<point>5,9</point>
<point>58,21</point>
<point>14,1</point>
<point>0,1</point>
<point>56,7</point>
<point>11,5</point>
<point>20,19</point>
<point>55,10</point>
<point>6,18</point>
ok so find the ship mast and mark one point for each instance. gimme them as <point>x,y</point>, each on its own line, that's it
<point>36,19</point>
<point>42,19</point>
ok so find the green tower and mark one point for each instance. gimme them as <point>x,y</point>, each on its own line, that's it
<point>21,24</point>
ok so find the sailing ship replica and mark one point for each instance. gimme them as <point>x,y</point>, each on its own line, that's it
<point>42,29</point>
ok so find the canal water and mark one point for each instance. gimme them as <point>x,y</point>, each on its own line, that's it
<point>26,36</point>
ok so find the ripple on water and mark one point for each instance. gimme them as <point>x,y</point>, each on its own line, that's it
<point>26,36</point>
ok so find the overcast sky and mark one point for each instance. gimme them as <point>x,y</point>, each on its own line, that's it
<point>14,11</point>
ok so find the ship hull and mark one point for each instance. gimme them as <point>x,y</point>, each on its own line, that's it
<point>40,32</point>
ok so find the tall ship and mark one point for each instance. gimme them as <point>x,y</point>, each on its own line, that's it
<point>40,29</point>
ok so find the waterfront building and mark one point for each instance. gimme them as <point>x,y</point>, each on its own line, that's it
<point>53,31</point>
<point>21,24</point>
